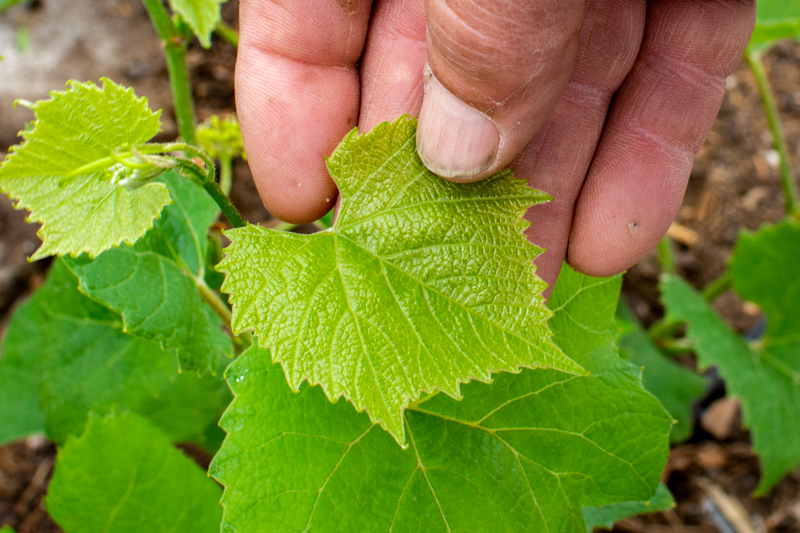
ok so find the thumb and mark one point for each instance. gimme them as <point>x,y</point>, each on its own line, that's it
<point>495,69</point>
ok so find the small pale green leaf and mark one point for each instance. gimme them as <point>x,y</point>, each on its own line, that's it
<point>153,284</point>
<point>421,285</point>
<point>75,358</point>
<point>676,387</point>
<point>775,19</point>
<point>85,213</point>
<point>123,475</point>
<point>765,381</point>
<point>201,15</point>
<point>606,515</point>
<point>221,138</point>
<point>523,453</point>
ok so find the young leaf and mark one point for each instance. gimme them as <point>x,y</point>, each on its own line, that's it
<point>76,359</point>
<point>766,381</point>
<point>675,386</point>
<point>221,138</point>
<point>153,284</point>
<point>201,15</point>
<point>525,452</point>
<point>86,212</point>
<point>5,529</point>
<point>123,475</point>
<point>421,285</point>
<point>775,19</point>
<point>606,515</point>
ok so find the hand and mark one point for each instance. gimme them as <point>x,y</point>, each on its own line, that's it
<point>600,103</point>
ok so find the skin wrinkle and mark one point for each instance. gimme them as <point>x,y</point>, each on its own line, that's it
<point>693,36</point>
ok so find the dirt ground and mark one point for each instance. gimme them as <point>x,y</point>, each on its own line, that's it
<point>734,185</point>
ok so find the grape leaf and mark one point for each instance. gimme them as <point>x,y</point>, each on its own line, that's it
<point>154,283</point>
<point>123,475</point>
<point>524,452</point>
<point>78,359</point>
<point>606,515</point>
<point>775,20</point>
<point>764,380</point>
<point>675,386</point>
<point>201,15</point>
<point>764,266</point>
<point>86,213</point>
<point>421,285</point>
<point>19,376</point>
<point>221,138</point>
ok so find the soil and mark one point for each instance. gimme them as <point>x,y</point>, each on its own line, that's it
<point>734,185</point>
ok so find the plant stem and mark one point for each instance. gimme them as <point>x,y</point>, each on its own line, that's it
<point>209,183</point>
<point>773,118</point>
<point>224,203</point>
<point>666,255</point>
<point>240,342</point>
<point>225,174</point>
<point>676,346</point>
<point>664,329</point>
<point>175,52</point>
<point>718,286</point>
<point>228,34</point>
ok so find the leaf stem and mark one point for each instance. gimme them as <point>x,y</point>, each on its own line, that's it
<point>175,52</point>
<point>666,255</point>
<point>240,342</point>
<point>228,34</point>
<point>225,174</point>
<point>773,119</point>
<point>664,329</point>
<point>224,203</point>
<point>718,286</point>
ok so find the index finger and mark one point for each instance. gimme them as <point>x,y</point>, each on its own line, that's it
<point>297,95</point>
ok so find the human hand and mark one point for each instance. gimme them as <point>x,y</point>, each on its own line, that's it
<point>600,103</point>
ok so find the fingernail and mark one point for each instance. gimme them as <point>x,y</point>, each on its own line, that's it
<point>454,140</point>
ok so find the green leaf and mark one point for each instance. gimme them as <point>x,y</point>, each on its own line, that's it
<point>6,529</point>
<point>775,20</point>
<point>19,375</point>
<point>4,4</point>
<point>524,452</point>
<point>154,283</point>
<point>123,475</point>
<point>201,15</point>
<point>765,271</point>
<point>221,138</point>
<point>765,380</point>
<point>76,128</point>
<point>76,358</point>
<point>421,285</point>
<point>676,387</point>
<point>606,515</point>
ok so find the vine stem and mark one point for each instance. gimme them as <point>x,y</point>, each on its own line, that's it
<point>225,174</point>
<point>767,99</point>
<point>175,51</point>
<point>718,286</point>
<point>224,30</point>
<point>240,342</point>
<point>666,255</point>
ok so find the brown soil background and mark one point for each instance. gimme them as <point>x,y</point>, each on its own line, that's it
<point>734,186</point>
